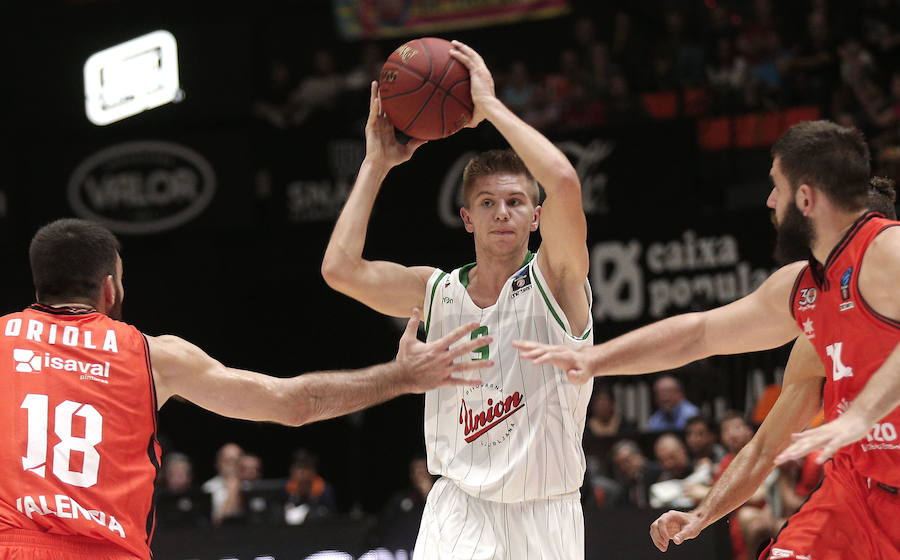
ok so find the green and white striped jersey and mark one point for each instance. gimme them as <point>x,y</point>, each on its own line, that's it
<point>517,435</point>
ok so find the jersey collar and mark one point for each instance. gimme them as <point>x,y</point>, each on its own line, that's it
<point>464,271</point>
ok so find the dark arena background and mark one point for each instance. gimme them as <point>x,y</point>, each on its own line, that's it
<point>225,193</point>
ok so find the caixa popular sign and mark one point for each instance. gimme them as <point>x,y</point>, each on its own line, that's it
<point>142,187</point>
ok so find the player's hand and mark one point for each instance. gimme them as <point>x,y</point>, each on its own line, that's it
<point>481,83</point>
<point>570,361</point>
<point>830,437</point>
<point>677,526</point>
<point>427,365</point>
<point>381,144</point>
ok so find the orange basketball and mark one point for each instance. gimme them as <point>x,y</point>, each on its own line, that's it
<point>425,91</point>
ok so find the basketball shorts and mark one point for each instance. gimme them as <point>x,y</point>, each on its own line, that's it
<point>849,517</point>
<point>22,544</point>
<point>458,526</point>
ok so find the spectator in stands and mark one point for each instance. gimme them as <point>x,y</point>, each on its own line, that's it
<point>796,481</point>
<point>634,472</point>
<point>673,408</point>
<point>600,70</point>
<point>178,504</point>
<point>814,63</point>
<point>701,436</point>
<point>308,494</point>
<point>412,498</point>
<point>249,468</point>
<point>604,420</point>
<point>679,475</point>
<point>622,107</point>
<point>225,487</point>
<point>727,76</point>
<point>684,57</point>
<point>517,92</point>
<point>319,91</point>
<point>753,522</point>
<point>672,456</point>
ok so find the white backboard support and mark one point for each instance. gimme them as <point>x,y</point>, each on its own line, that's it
<point>131,77</point>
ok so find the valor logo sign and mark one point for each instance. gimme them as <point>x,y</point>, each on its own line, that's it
<point>142,187</point>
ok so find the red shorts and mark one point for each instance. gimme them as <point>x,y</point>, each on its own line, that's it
<point>22,544</point>
<point>848,517</point>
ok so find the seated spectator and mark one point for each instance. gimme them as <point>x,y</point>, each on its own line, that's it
<point>399,521</point>
<point>517,92</point>
<point>672,456</point>
<point>753,522</point>
<point>796,481</point>
<point>225,487</point>
<point>674,409</point>
<point>727,76</point>
<point>604,420</point>
<point>634,472</point>
<point>309,496</point>
<point>678,472</point>
<point>621,106</point>
<point>702,439</point>
<point>178,502</point>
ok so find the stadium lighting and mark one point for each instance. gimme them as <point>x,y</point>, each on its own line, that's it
<point>131,77</point>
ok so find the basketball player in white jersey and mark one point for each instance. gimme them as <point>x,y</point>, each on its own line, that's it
<point>508,450</point>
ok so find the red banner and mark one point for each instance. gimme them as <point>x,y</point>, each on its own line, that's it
<point>368,19</point>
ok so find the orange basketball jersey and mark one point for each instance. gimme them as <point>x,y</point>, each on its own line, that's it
<point>79,453</point>
<point>852,340</point>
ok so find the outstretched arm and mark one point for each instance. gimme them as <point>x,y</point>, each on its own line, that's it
<point>564,254</point>
<point>387,287</point>
<point>798,402</point>
<point>758,321</point>
<point>180,368</point>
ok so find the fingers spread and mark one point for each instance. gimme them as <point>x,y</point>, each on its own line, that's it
<point>470,346</point>
<point>456,334</point>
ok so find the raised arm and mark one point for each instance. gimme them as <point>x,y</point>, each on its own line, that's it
<point>180,368</point>
<point>758,321</point>
<point>798,402</point>
<point>563,256</point>
<point>387,287</point>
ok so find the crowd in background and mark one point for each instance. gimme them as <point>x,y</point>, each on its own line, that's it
<point>727,58</point>
<point>724,59</point>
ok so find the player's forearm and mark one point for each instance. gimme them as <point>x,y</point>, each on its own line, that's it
<point>737,484</point>
<point>663,345</point>
<point>345,247</point>
<point>322,395</point>
<point>550,167</point>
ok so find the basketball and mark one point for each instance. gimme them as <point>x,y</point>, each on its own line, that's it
<point>425,91</point>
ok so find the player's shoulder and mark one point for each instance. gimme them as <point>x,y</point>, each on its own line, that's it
<point>886,244</point>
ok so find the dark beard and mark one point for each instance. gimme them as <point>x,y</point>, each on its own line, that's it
<point>795,235</point>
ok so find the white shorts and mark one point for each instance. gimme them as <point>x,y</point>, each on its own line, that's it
<point>458,526</point>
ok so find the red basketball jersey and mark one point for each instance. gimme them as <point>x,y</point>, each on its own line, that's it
<point>852,341</point>
<point>79,453</point>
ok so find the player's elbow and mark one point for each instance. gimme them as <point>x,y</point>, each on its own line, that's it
<point>334,270</point>
<point>566,178</point>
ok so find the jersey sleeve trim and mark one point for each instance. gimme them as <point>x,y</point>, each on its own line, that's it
<point>440,276</point>
<point>551,305</point>
<point>796,287</point>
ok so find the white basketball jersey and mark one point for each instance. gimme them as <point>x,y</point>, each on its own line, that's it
<point>517,435</point>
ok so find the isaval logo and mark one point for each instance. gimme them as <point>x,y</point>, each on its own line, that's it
<point>27,361</point>
<point>142,187</point>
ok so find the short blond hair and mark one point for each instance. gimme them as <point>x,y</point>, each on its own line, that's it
<point>494,162</point>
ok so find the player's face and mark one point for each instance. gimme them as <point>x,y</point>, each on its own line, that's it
<point>500,213</point>
<point>736,434</point>
<point>795,232</point>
